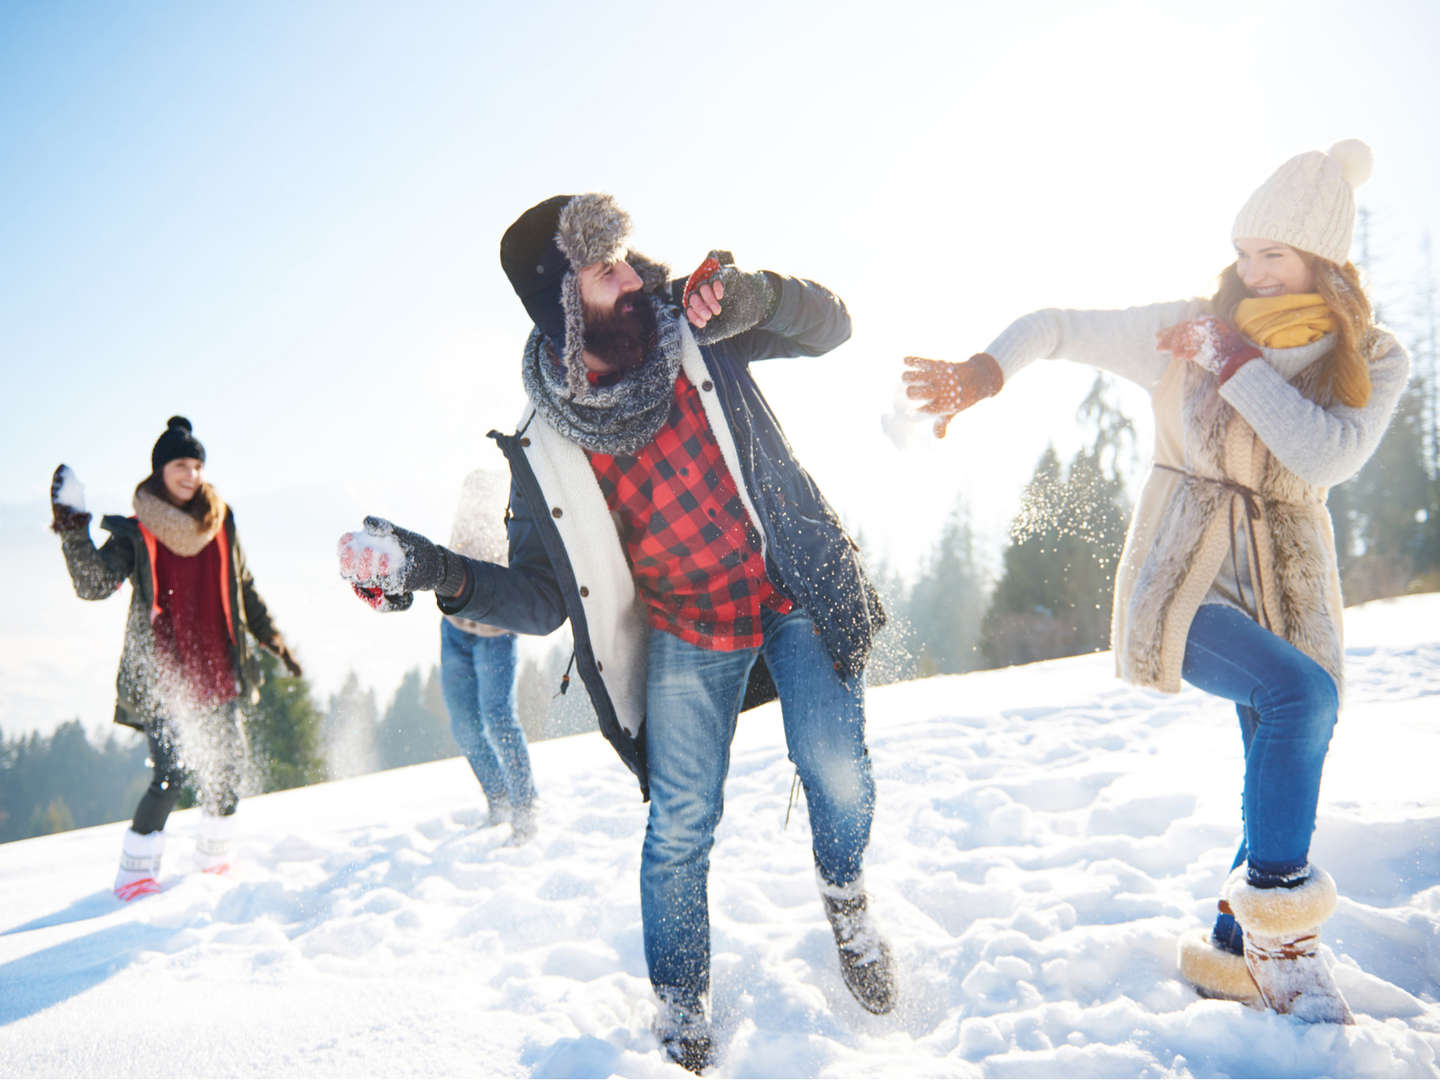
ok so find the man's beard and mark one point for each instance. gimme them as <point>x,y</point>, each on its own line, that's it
<point>622,338</point>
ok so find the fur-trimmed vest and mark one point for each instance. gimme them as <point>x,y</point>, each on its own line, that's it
<point>1214,479</point>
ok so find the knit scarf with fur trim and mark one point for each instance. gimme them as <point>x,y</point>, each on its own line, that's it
<point>174,527</point>
<point>615,419</point>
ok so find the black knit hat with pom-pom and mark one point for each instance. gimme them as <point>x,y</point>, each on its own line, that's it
<point>177,442</point>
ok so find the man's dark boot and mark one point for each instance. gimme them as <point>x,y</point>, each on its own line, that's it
<point>865,962</point>
<point>684,1032</point>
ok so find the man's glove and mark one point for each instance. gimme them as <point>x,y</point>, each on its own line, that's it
<point>285,656</point>
<point>396,561</point>
<point>1211,343</point>
<point>67,501</point>
<point>382,601</point>
<point>749,299</point>
<point>947,388</point>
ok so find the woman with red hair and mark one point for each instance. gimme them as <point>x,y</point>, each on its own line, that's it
<point>1265,395</point>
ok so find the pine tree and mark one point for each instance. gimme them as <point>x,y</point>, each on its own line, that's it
<point>349,735</point>
<point>1022,624</point>
<point>284,731</point>
<point>1056,587</point>
<point>1387,518</point>
<point>438,740</point>
<point>1388,501</point>
<point>411,732</point>
<point>948,600</point>
<point>64,780</point>
<point>892,653</point>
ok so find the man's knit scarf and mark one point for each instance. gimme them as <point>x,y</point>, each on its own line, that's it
<point>615,419</point>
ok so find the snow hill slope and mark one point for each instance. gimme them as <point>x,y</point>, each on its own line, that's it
<point>1043,834</point>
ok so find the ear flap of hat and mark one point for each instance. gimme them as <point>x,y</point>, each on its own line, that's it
<point>654,276</point>
<point>546,309</point>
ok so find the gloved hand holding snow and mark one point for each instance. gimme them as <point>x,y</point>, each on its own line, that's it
<point>947,388</point>
<point>394,560</point>
<point>1208,342</point>
<point>67,501</point>
<point>749,299</point>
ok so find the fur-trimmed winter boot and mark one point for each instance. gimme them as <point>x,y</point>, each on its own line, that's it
<point>865,962</point>
<point>684,1033</point>
<point>1282,944</point>
<point>1214,971</point>
<point>212,846</point>
<point>139,873</point>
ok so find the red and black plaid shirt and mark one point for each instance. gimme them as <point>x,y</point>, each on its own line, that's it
<point>692,548</point>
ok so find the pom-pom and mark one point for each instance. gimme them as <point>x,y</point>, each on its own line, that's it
<point>1355,160</point>
<point>180,422</point>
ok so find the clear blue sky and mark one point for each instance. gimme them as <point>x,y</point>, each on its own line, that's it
<point>281,219</point>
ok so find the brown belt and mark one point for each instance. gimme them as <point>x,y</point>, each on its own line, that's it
<point>1251,500</point>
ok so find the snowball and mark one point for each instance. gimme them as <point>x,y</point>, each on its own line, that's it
<point>72,491</point>
<point>904,426</point>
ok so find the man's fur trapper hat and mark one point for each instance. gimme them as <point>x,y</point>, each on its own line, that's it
<point>543,252</point>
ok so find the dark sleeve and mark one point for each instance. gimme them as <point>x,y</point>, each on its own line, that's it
<point>524,597</point>
<point>808,320</point>
<point>257,615</point>
<point>96,574</point>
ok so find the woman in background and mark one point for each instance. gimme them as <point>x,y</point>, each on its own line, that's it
<point>186,666</point>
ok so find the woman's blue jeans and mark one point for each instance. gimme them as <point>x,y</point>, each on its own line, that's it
<point>477,677</point>
<point>693,698</point>
<point>1288,705</point>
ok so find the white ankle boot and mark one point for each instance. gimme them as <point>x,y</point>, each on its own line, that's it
<point>1282,945</point>
<point>212,846</point>
<point>139,873</point>
<point>1216,972</point>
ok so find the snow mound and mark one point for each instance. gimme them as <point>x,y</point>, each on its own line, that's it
<point>1043,836</point>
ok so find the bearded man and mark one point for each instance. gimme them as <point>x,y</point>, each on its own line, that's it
<point>656,504</point>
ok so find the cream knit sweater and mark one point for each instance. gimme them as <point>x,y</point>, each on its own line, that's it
<point>1321,446</point>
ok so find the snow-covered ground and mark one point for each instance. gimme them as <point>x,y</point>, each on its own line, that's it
<point>1043,835</point>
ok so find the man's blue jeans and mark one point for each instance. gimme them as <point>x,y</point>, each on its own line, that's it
<point>693,697</point>
<point>477,677</point>
<point>1288,705</point>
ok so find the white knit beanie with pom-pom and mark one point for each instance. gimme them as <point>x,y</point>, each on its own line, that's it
<point>1309,202</point>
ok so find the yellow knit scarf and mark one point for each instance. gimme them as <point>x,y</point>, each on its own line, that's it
<point>1283,322</point>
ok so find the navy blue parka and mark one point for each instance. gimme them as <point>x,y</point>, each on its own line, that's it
<point>809,556</point>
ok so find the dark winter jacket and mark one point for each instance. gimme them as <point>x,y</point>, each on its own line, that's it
<point>566,559</point>
<point>127,555</point>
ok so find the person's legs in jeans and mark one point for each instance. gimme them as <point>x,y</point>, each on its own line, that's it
<point>693,697</point>
<point>824,719</point>
<point>1287,705</point>
<point>459,684</point>
<point>494,662</point>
